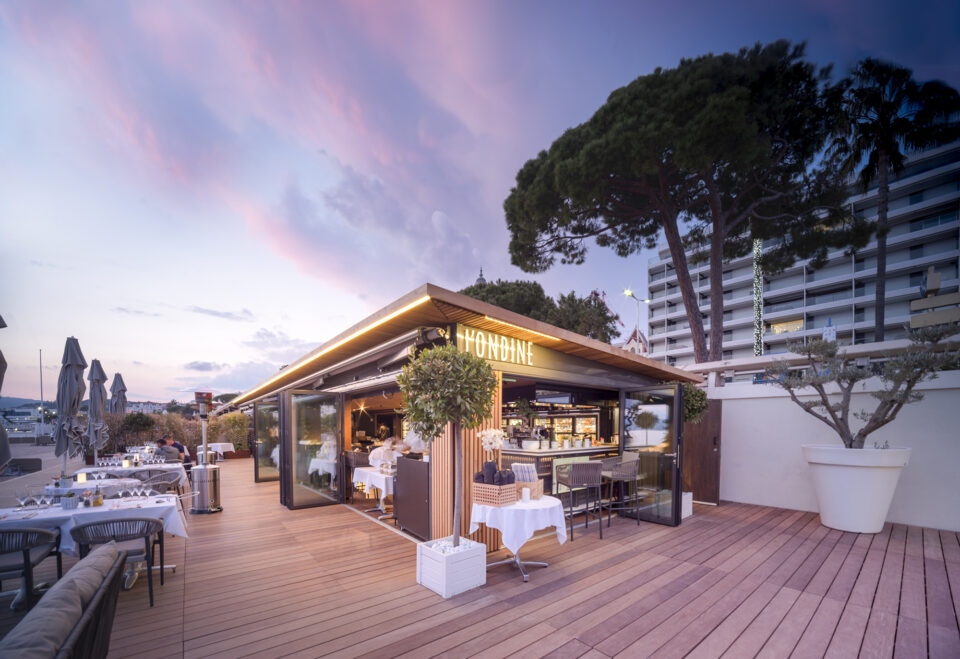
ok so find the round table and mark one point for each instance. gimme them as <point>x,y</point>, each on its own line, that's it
<point>518,522</point>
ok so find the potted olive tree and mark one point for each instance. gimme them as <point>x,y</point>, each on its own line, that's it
<point>445,386</point>
<point>855,483</point>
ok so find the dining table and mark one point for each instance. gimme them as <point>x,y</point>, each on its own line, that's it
<point>127,472</point>
<point>220,448</point>
<point>108,486</point>
<point>165,507</point>
<point>517,523</point>
<point>372,478</point>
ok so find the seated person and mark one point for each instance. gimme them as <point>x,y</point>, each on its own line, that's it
<point>414,443</point>
<point>385,453</point>
<point>167,452</point>
<point>181,449</point>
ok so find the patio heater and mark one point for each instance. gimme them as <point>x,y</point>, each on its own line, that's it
<point>206,476</point>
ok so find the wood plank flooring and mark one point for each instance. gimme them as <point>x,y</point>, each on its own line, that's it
<point>732,581</point>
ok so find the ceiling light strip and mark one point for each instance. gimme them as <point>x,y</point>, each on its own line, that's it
<point>522,329</point>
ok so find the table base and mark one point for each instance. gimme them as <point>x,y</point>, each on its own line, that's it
<point>520,565</point>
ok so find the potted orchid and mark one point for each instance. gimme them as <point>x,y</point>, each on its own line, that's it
<point>491,440</point>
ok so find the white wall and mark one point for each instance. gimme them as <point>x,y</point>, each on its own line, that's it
<point>763,430</point>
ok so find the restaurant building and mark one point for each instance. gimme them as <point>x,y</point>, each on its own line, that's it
<point>561,397</point>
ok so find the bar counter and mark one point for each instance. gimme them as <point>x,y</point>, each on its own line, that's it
<point>546,460</point>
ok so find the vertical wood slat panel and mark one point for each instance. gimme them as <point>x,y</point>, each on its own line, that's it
<point>441,475</point>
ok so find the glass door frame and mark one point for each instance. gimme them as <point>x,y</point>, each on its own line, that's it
<point>677,481</point>
<point>285,408</point>
<point>256,441</point>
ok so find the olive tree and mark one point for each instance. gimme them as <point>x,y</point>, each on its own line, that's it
<point>830,371</point>
<point>443,386</point>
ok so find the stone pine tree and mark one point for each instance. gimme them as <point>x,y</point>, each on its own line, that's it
<point>588,315</point>
<point>886,114</point>
<point>443,386</point>
<point>714,153</point>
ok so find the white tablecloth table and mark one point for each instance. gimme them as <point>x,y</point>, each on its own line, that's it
<point>125,472</point>
<point>321,466</point>
<point>108,486</point>
<point>166,508</point>
<point>220,448</point>
<point>518,522</point>
<point>372,478</point>
<point>275,455</point>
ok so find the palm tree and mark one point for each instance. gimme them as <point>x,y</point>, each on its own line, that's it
<point>886,113</point>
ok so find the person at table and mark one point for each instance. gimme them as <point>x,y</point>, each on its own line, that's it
<point>385,453</point>
<point>167,452</point>
<point>414,444</point>
<point>184,453</point>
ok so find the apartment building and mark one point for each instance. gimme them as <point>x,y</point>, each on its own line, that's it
<point>800,301</point>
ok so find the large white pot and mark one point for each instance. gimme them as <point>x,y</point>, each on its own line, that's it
<point>855,486</point>
<point>452,573</point>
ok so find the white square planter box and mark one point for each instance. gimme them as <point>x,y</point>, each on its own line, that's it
<point>453,573</point>
<point>686,505</point>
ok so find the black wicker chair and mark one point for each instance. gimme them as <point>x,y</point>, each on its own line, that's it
<point>126,532</point>
<point>582,476</point>
<point>22,549</point>
<point>353,460</point>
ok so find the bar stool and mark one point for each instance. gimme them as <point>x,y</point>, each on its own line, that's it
<point>583,476</point>
<point>620,474</point>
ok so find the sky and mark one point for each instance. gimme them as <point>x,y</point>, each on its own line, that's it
<point>202,192</point>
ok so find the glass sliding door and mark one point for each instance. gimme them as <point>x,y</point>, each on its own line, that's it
<point>266,428</point>
<point>314,450</point>
<point>652,430</point>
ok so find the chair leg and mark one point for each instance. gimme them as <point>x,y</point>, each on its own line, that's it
<point>149,557</point>
<point>161,557</point>
<point>636,500</point>
<point>28,578</point>
<point>570,506</point>
<point>59,565</point>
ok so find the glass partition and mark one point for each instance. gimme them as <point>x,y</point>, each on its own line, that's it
<point>315,449</point>
<point>266,420</point>
<point>652,432</point>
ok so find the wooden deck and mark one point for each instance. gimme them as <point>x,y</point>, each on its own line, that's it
<point>737,581</point>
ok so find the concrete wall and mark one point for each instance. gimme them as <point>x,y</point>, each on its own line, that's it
<point>762,463</point>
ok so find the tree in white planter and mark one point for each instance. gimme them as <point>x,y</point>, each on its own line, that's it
<point>827,366</point>
<point>443,385</point>
<point>855,487</point>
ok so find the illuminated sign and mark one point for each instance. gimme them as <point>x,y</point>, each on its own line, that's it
<point>495,347</point>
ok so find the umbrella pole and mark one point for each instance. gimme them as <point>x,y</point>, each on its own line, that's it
<point>63,471</point>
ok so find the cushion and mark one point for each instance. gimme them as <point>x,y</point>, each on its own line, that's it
<point>13,561</point>
<point>87,575</point>
<point>43,630</point>
<point>134,548</point>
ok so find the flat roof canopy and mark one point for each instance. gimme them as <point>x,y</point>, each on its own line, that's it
<point>431,306</point>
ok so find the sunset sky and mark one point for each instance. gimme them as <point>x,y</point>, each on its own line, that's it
<point>203,191</point>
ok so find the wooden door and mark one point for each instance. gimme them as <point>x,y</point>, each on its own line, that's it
<point>701,455</point>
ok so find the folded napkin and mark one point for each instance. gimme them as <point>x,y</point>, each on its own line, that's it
<point>526,473</point>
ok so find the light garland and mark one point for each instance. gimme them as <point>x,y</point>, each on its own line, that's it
<point>757,298</point>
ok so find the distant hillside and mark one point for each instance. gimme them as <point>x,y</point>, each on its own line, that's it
<point>12,401</point>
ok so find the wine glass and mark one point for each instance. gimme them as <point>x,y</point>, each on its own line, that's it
<point>22,497</point>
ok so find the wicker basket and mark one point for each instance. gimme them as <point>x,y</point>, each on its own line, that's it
<point>494,495</point>
<point>536,489</point>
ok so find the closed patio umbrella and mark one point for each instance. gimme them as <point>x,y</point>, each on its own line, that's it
<point>118,395</point>
<point>97,433</point>
<point>67,431</point>
<point>4,441</point>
